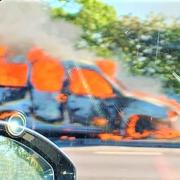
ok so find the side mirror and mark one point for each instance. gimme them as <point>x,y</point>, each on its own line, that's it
<point>32,156</point>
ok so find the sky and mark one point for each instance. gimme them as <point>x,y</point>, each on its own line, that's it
<point>140,8</point>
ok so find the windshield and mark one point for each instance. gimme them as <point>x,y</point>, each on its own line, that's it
<point>84,73</point>
<point>20,162</point>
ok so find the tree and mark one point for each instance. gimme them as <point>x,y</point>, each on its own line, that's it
<point>149,47</point>
<point>93,16</point>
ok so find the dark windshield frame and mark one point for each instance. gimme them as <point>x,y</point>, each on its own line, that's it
<point>45,148</point>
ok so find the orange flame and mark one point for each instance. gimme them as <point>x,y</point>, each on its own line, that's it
<point>131,129</point>
<point>35,54</point>
<point>47,72</point>
<point>62,98</point>
<point>88,82</point>
<point>108,67</point>
<point>101,122</point>
<point>13,74</point>
<point>165,132</point>
<point>162,130</point>
<point>6,114</point>
<point>110,137</point>
<point>67,138</point>
<point>3,50</point>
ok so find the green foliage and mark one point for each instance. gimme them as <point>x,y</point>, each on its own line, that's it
<point>93,16</point>
<point>150,47</point>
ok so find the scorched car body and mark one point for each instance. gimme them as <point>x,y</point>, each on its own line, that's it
<point>65,97</point>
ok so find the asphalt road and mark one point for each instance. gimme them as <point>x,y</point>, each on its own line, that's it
<point>125,163</point>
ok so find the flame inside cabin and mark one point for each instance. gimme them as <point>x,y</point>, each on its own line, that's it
<point>47,73</point>
<point>14,75</point>
<point>88,82</point>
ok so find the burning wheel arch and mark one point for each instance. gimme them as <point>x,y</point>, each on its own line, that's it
<point>140,126</point>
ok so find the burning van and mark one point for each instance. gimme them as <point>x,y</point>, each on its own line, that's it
<point>69,97</point>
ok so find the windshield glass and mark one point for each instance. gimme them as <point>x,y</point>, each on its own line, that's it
<point>20,162</point>
<point>92,71</point>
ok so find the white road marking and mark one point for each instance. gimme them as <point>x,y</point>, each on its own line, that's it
<point>121,149</point>
<point>129,153</point>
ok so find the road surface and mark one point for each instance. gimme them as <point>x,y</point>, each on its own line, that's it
<point>125,163</point>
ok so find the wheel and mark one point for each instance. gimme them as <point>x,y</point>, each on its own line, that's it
<point>139,126</point>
